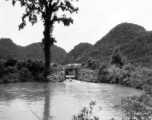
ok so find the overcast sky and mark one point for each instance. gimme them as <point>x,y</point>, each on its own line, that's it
<point>94,19</point>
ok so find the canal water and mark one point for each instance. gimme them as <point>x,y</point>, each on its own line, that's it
<point>60,101</point>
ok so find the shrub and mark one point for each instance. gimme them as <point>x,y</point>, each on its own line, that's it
<point>128,75</point>
<point>10,70</point>
<point>148,88</point>
<point>138,76</point>
<point>10,62</point>
<point>39,77</point>
<point>87,113</point>
<point>27,70</point>
<point>11,78</point>
<point>91,64</point>
<point>2,66</point>
<point>135,109</point>
<point>116,75</point>
<point>103,74</point>
<point>117,58</point>
<point>25,75</point>
<point>19,64</point>
<point>129,67</point>
<point>138,107</point>
<point>33,66</point>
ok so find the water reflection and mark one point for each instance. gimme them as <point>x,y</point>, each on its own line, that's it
<point>47,103</point>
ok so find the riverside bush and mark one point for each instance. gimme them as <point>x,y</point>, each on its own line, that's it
<point>116,74</point>
<point>25,75</point>
<point>39,77</point>
<point>11,78</point>
<point>13,70</point>
<point>134,108</point>
<point>138,76</point>
<point>137,107</point>
<point>2,66</point>
<point>10,62</point>
<point>34,66</point>
<point>92,64</point>
<point>87,113</point>
<point>10,69</point>
<point>19,64</point>
<point>128,75</point>
<point>117,58</point>
<point>103,74</point>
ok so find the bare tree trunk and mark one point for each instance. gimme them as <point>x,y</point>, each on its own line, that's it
<point>47,45</point>
<point>47,54</point>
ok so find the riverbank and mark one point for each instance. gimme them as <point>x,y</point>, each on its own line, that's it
<point>15,71</point>
<point>12,71</point>
<point>129,75</point>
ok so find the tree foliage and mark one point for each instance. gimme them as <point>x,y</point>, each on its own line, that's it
<point>117,58</point>
<point>45,8</point>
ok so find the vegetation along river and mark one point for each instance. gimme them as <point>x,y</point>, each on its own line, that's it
<point>59,101</point>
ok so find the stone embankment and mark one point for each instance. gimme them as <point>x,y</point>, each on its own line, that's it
<point>57,77</point>
<point>87,75</point>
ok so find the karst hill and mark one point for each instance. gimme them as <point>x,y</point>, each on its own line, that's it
<point>32,51</point>
<point>134,41</point>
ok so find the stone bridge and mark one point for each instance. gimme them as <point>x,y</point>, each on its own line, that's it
<point>72,70</point>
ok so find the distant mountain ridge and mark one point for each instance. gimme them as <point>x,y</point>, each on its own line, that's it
<point>77,52</point>
<point>134,41</point>
<point>34,51</point>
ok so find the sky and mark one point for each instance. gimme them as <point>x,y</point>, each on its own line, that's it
<point>94,20</point>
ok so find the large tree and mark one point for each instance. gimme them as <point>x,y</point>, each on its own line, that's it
<point>47,10</point>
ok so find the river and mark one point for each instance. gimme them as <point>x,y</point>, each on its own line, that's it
<point>59,101</point>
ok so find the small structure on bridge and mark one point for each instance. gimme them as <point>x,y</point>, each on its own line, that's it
<point>72,70</point>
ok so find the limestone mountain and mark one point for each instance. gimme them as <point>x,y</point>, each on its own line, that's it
<point>77,52</point>
<point>134,41</point>
<point>34,51</point>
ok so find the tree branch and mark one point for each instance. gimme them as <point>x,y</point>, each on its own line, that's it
<point>66,21</point>
<point>65,6</point>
